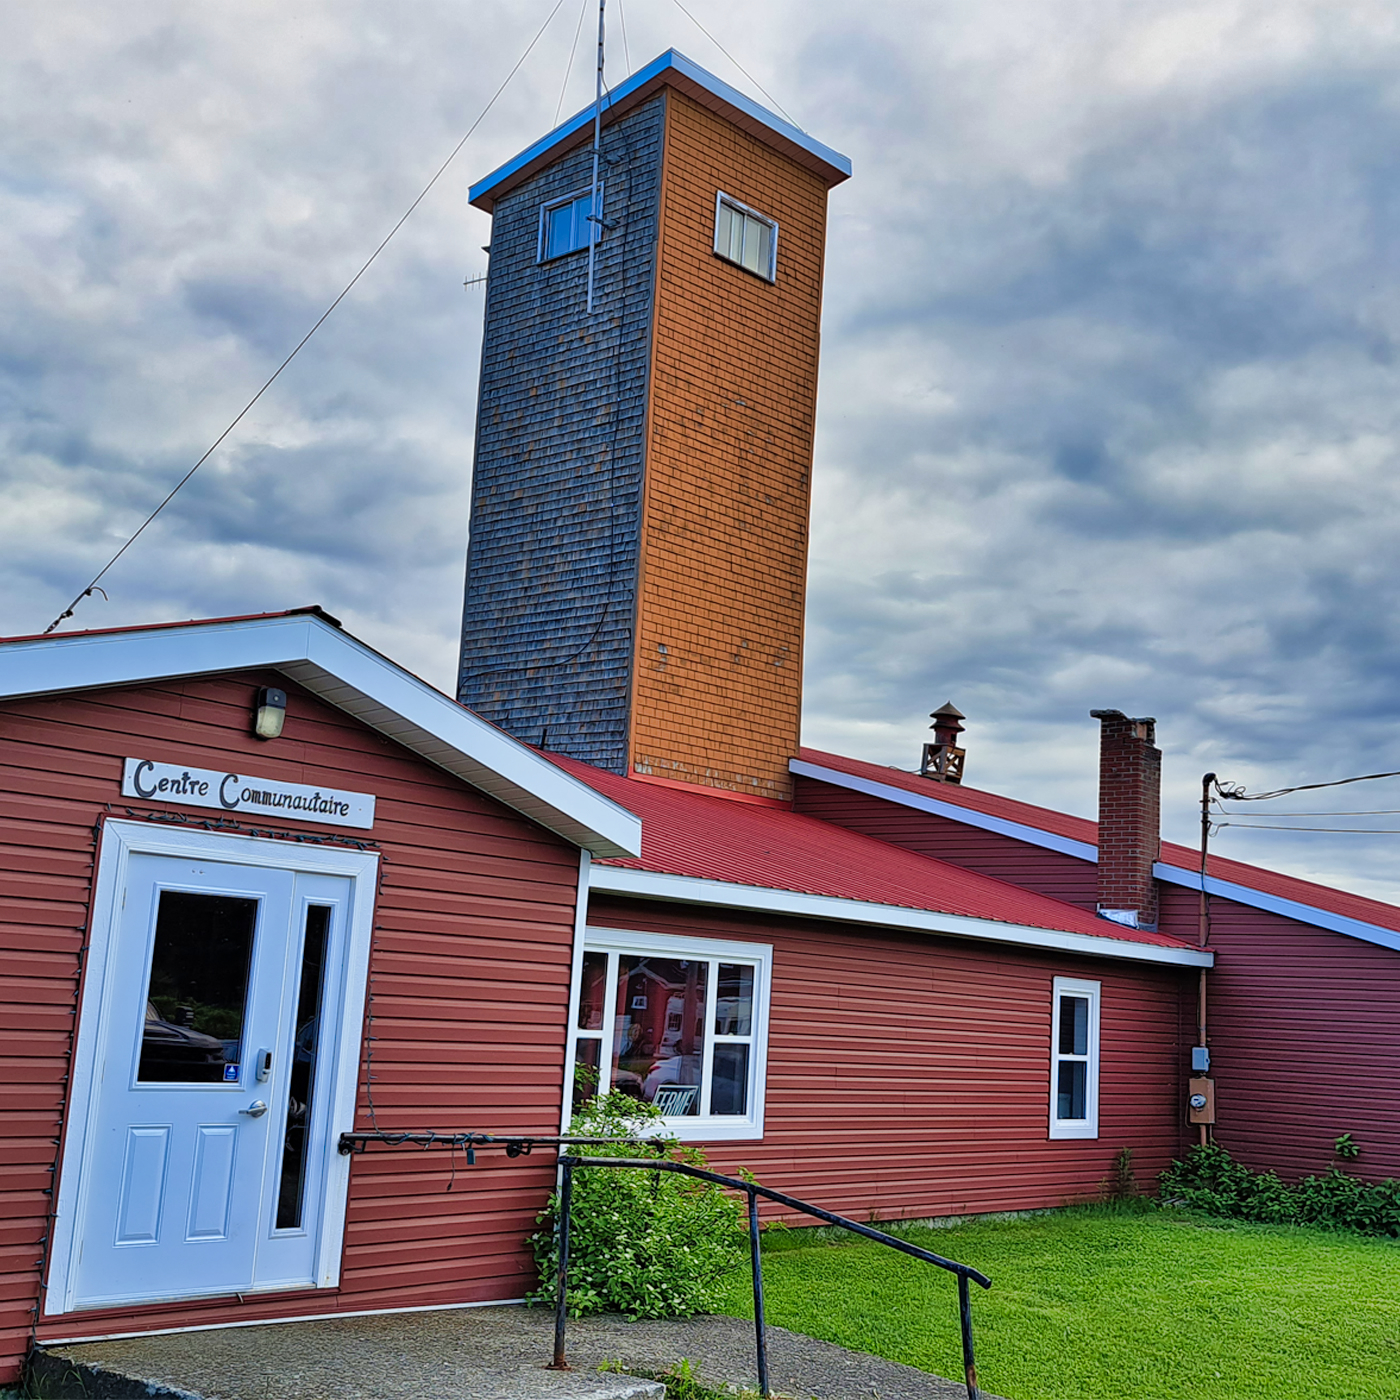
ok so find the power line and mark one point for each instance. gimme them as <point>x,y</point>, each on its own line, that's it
<point>1378,812</point>
<point>1238,794</point>
<point>626,52</point>
<point>569,67</point>
<point>272,379</point>
<point>736,63</point>
<point>1331,830</point>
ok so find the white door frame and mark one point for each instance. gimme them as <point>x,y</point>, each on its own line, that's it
<point>120,841</point>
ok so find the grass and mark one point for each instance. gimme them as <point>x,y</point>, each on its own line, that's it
<point>1102,1304</point>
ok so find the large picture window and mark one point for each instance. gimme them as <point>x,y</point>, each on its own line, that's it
<point>679,1023</point>
<point>1074,1059</point>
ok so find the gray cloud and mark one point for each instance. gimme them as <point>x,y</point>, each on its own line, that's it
<point>1109,409</point>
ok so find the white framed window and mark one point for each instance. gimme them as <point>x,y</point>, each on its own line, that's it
<point>1074,1059</point>
<point>565,223</point>
<point>746,237</point>
<point>678,1022</point>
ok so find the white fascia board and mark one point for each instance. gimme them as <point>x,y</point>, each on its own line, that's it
<point>685,889</point>
<point>1031,835</point>
<point>349,675</point>
<point>1275,904</point>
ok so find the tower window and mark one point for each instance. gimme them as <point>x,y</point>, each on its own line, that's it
<point>564,224</point>
<point>746,237</point>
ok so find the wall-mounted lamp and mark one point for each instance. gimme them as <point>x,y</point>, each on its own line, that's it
<point>271,711</point>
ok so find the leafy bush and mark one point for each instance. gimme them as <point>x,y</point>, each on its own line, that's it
<point>1210,1180</point>
<point>648,1244</point>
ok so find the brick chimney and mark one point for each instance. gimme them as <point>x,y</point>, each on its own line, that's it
<point>1130,800</point>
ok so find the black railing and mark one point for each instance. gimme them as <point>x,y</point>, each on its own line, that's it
<point>568,1164</point>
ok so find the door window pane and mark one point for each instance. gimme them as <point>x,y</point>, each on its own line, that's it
<point>1073,1087</point>
<point>303,1068</point>
<point>659,1041</point>
<point>1074,1025</point>
<point>734,1004</point>
<point>197,996</point>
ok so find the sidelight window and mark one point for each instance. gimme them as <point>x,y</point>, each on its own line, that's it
<point>679,1023</point>
<point>1074,1059</point>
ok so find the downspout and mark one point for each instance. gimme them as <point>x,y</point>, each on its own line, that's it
<point>1203,922</point>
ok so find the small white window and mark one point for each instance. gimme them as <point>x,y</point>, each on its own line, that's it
<point>678,1022</point>
<point>564,224</point>
<point>1074,1060</point>
<point>746,237</point>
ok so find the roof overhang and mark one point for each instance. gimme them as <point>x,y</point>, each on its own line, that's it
<point>1081,850</point>
<point>675,70</point>
<point>686,889</point>
<point>343,672</point>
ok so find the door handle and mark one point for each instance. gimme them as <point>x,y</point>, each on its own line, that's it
<point>256,1109</point>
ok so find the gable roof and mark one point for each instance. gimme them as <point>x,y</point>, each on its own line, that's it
<point>703,848</point>
<point>1370,920</point>
<point>310,648</point>
<point>670,69</point>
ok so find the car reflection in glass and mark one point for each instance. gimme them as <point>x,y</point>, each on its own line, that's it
<point>179,1054</point>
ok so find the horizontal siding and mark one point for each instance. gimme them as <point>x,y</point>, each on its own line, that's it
<point>469,979</point>
<point>988,852</point>
<point>910,1076</point>
<point>1304,1030</point>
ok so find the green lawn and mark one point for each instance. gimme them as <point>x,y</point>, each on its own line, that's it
<point>1092,1303</point>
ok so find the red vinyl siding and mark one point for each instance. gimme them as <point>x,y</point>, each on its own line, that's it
<point>988,852</point>
<point>1305,1040</point>
<point>468,987</point>
<point>910,1076</point>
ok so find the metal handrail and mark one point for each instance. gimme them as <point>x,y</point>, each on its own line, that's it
<point>753,1190</point>
<point>520,1146</point>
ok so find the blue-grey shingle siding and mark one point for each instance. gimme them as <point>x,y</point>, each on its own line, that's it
<point>557,482</point>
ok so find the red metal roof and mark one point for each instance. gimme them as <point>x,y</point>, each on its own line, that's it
<point>709,837</point>
<point>1253,877</point>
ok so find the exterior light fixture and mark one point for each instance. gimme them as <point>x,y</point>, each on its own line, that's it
<point>271,711</point>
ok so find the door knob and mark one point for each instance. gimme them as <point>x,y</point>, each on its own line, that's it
<point>256,1109</point>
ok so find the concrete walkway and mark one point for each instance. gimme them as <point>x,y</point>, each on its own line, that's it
<point>495,1353</point>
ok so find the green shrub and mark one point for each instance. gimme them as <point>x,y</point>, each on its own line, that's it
<point>1210,1180</point>
<point>648,1244</point>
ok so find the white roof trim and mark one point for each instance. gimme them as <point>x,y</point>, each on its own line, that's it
<point>1275,904</point>
<point>1080,850</point>
<point>1032,835</point>
<point>342,671</point>
<point>685,889</point>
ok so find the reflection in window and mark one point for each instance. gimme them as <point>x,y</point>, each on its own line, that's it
<point>303,1085</point>
<point>566,224</point>
<point>746,237</point>
<point>677,1032</point>
<point>198,989</point>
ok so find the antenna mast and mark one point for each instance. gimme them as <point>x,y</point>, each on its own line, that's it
<point>595,215</point>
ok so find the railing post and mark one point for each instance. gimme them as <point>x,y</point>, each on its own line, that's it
<point>760,1331</point>
<point>561,1296</point>
<point>965,1317</point>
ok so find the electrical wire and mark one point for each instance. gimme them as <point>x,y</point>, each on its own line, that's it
<point>1330,830</point>
<point>626,52</point>
<point>1378,812</point>
<point>569,67</point>
<point>321,320</point>
<point>736,63</point>
<point>1239,795</point>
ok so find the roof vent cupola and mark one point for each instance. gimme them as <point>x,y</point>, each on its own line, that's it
<point>943,759</point>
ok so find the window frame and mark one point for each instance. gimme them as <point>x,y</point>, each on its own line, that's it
<point>721,199</point>
<point>616,942</point>
<point>1088,1126</point>
<point>552,204</point>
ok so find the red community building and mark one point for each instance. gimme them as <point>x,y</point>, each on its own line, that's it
<point>262,887</point>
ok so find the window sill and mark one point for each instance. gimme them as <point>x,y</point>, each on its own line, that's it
<point>1073,1130</point>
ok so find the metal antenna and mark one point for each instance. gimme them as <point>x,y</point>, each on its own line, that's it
<point>595,216</point>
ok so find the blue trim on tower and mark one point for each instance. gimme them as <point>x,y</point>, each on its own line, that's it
<point>675,62</point>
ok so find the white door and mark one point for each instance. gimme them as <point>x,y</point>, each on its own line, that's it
<point>203,1160</point>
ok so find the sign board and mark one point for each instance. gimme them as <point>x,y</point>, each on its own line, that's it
<point>150,781</point>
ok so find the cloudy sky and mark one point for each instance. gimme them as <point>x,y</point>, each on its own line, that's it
<point>1109,411</point>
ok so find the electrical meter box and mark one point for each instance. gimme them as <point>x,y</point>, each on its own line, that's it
<point>1200,1101</point>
